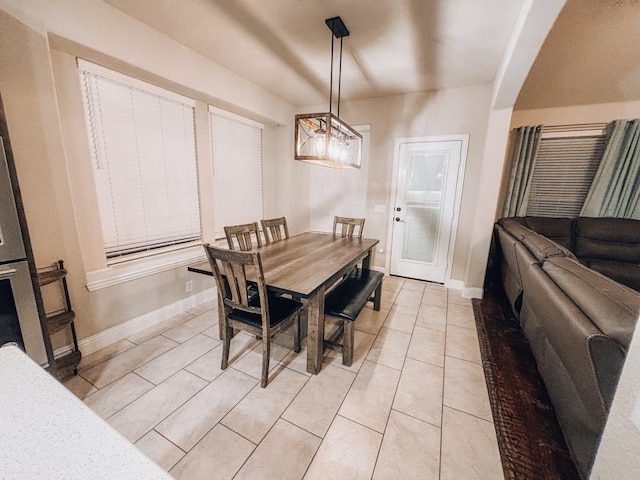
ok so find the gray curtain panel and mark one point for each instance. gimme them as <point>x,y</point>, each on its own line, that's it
<point>615,191</point>
<point>527,141</point>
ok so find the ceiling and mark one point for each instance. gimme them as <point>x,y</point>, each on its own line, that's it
<point>590,56</point>
<point>395,46</point>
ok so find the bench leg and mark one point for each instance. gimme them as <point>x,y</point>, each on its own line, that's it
<point>377,297</point>
<point>347,343</point>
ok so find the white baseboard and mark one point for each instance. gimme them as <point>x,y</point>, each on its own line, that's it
<point>135,325</point>
<point>467,292</point>
<point>472,292</point>
<point>454,284</point>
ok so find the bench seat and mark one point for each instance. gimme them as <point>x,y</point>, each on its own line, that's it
<point>348,299</point>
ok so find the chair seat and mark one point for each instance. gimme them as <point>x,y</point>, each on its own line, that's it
<point>351,295</point>
<point>280,309</point>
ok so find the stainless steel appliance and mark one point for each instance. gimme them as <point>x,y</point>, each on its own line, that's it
<point>19,318</point>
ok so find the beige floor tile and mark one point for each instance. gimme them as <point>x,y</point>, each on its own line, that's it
<point>414,285</point>
<point>167,364</point>
<point>192,327</point>
<point>103,374</point>
<point>469,448</point>
<point>390,348</point>
<point>435,297</point>
<point>410,449</point>
<point>402,318</point>
<point>461,316</point>
<point>463,343</point>
<point>465,388</point>
<point>362,343</point>
<point>370,320</point>
<point>103,354</point>
<point>387,299</point>
<point>189,423</point>
<point>160,450</point>
<point>427,345</point>
<point>258,411</point>
<point>420,392</point>
<point>251,363</point>
<point>79,386</point>
<point>213,332</point>
<point>317,403</point>
<point>432,316</point>
<point>284,454</point>
<point>371,395</point>
<point>348,451</point>
<point>455,298</point>
<point>137,418</point>
<point>218,456</point>
<point>392,283</point>
<point>409,298</point>
<point>158,328</point>
<point>297,361</point>
<point>208,365</point>
<point>117,395</point>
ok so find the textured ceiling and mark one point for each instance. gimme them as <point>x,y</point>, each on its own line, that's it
<point>395,46</point>
<point>590,56</point>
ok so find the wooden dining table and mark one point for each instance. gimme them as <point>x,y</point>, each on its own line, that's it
<point>304,266</point>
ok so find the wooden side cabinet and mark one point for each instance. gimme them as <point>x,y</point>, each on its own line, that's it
<point>61,316</point>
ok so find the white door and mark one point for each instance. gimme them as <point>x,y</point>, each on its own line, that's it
<point>424,208</point>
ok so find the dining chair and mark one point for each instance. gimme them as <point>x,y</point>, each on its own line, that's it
<point>276,228</point>
<point>242,236</point>
<point>262,315</point>
<point>348,226</point>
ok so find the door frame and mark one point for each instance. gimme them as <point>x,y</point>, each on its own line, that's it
<point>463,138</point>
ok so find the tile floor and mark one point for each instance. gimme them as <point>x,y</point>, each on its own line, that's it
<point>413,405</point>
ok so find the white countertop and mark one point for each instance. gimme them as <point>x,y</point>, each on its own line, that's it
<point>46,432</point>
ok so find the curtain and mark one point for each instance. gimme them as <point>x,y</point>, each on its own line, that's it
<point>615,191</point>
<point>527,141</point>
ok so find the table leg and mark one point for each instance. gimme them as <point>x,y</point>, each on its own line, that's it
<point>315,334</point>
<point>366,261</point>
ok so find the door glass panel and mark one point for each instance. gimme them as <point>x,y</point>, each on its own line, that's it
<point>425,179</point>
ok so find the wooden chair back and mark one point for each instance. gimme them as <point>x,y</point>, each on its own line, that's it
<point>240,236</point>
<point>348,226</point>
<point>230,271</point>
<point>275,229</point>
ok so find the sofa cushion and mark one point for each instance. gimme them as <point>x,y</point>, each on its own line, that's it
<point>612,307</point>
<point>616,239</point>
<point>560,230</point>
<point>542,248</point>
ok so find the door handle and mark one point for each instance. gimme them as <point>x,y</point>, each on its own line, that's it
<point>6,273</point>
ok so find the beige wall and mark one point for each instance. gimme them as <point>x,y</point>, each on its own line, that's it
<point>596,113</point>
<point>444,112</point>
<point>40,90</point>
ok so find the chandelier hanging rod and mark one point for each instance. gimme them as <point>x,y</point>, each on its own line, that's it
<point>338,30</point>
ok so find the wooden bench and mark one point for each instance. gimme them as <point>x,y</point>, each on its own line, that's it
<point>347,300</point>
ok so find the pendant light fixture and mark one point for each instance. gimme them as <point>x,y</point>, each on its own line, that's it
<point>322,138</point>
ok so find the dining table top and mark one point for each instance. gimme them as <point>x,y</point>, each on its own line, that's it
<point>303,263</point>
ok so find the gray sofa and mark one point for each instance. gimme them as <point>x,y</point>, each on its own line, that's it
<point>573,284</point>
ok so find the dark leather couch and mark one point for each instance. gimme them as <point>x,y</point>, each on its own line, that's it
<point>573,284</point>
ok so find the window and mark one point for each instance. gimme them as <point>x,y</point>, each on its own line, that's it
<point>567,160</point>
<point>338,192</point>
<point>144,163</point>
<point>237,169</point>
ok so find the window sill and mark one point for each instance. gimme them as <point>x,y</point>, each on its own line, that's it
<point>143,267</point>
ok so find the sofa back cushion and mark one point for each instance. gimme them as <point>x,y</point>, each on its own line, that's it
<point>560,230</point>
<point>612,307</point>
<point>616,239</point>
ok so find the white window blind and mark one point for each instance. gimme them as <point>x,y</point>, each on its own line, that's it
<point>338,192</point>
<point>144,163</point>
<point>237,169</point>
<point>567,161</point>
